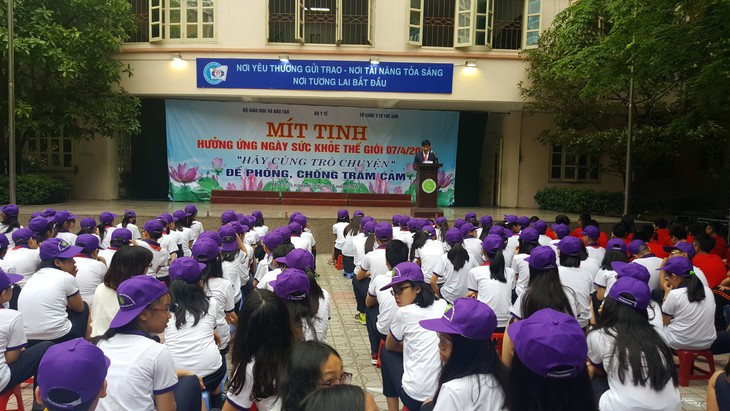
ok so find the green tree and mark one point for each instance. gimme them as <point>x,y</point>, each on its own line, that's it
<point>676,51</point>
<point>67,81</point>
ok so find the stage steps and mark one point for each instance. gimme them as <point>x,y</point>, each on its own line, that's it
<point>309,198</point>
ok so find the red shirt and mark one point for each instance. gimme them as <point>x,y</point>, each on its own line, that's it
<point>712,266</point>
<point>720,249</point>
<point>662,236</point>
<point>657,250</point>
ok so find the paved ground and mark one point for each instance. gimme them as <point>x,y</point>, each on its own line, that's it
<point>350,340</point>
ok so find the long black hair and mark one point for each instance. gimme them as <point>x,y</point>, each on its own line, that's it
<point>443,228</point>
<point>458,256</point>
<point>611,256</point>
<point>695,288</point>
<point>369,242</point>
<point>263,335</point>
<point>638,346</point>
<point>126,218</point>
<point>335,398</point>
<point>472,357</point>
<point>526,248</point>
<point>569,260</point>
<point>304,372</point>
<point>545,291</point>
<point>419,240</point>
<point>189,298</point>
<point>315,291</point>
<point>127,262</point>
<point>496,266</point>
<point>353,228</point>
<point>10,222</point>
<point>527,391</point>
<point>426,297</point>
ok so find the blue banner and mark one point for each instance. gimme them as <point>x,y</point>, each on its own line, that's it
<point>215,145</point>
<point>325,75</point>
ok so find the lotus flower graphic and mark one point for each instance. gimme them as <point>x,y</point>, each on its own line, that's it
<point>218,166</point>
<point>380,187</point>
<point>444,180</point>
<point>184,175</point>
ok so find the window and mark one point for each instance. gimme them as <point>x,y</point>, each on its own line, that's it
<point>532,27</point>
<point>321,21</point>
<point>157,20</point>
<point>49,153</point>
<point>508,24</point>
<point>567,166</point>
<point>431,22</point>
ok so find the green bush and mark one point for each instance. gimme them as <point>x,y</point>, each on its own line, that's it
<point>36,189</point>
<point>579,200</point>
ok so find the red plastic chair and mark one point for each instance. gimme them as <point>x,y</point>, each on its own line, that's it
<point>339,265</point>
<point>5,398</point>
<point>689,371</point>
<point>497,339</point>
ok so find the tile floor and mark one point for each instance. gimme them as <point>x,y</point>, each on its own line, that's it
<point>350,340</point>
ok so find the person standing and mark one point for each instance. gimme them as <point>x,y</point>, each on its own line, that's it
<point>426,155</point>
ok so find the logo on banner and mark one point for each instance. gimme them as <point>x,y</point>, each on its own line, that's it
<point>215,73</point>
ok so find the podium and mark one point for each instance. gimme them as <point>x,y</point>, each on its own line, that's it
<point>427,190</point>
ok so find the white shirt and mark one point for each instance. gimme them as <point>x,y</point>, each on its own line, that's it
<point>374,262</point>
<point>104,309</point>
<point>306,234</point>
<point>430,257</point>
<point>8,234</point>
<point>25,260</point>
<point>140,369</point>
<point>221,290</point>
<point>196,228</point>
<point>474,247</point>
<point>160,258</point>
<point>348,249</point>
<point>405,236</point>
<point>8,267</point>
<point>301,242</point>
<point>90,273</point>
<point>251,238</point>
<point>186,237</point>
<point>480,392</point>
<point>421,360</point>
<point>168,243</point>
<point>193,346</point>
<point>236,272</point>
<point>264,282</point>
<point>455,283</point>
<point>338,230</point>
<point>321,320</point>
<point>693,324</point>
<point>243,400</point>
<point>497,295</point>
<point>652,264</point>
<point>522,271</point>
<point>261,230</point>
<point>544,240</point>
<point>509,250</point>
<point>516,309</point>
<point>358,243</point>
<point>581,283</point>
<point>604,279</point>
<point>43,302</point>
<point>262,267</point>
<point>106,241</point>
<point>626,396</point>
<point>12,337</point>
<point>591,266</point>
<point>386,301</point>
<point>69,237</point>
<point>596,253</point>
<point>134,229</point>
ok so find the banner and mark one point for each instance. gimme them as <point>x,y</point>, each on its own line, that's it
<point>274,147</point>
<point>325,75</point>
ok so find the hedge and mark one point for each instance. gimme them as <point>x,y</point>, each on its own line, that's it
<point>579,200</point>
<point>36,189</point>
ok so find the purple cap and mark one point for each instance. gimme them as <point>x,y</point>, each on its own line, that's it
<point>40,224</point>
<point>240,218</point>
<point>257,214</point>
<point>632,270</point>
<point>75,366</point>
<point>365,220</point>
<point>211,235</point>
<point>591,232</point>
<point>22,235</point>
<point>492,243</point>
<point>191,209</point>
<point>369,227</point>
<point>384,231</point>
<point>395,219</point>
<point>511,219</point>
<point>88,242</point>
<point>524,221</point>
<point>11,209</point>
<point>166,217</point>
<point>403,221</point>
<point>682,246</point>
<point>4,242</point>
<point>468,317</point>
<point>499,230</point>
<point>285,234</point>
<point>180,215</point>
<point>561,230</point>
<point>453,236</point>
<point>228,216</point>
<point>440,220</point>
<point>121,234</point>
<point>570,246</point>
<point>205,249</point>
<point>295,228</point>
<point>413,225</point>
<point>680,266</point>
<point>154,227</point>
<point>294,215</point>
<point>64,215</point>
<point>272,240</point>
<point>358,213</point>
<point>404,272</point>
<point>466,228</point>
<point>343,214</point>
<point>636,246</point>
<point>541,258</point>
<point>228,236</point>
<point>529,235</point>
<point>87,222</point>
<point>616,244</point>
<point>301,219</point>
<point>237,227</point>
<point>549,343</point>
<point>186,269</point>
<point>58,248</point>
<point>6,280</point>
<point>470,215</point>
<point>292,285</point>
<point>130,213</point>
<point>540,226</point>
<point>49,212</point>
<point>638,292</point>
<point>106,217</point>
<point>429,230</point>
<point>486,221</point>
<point>458,223</point>
<point>134,295</point>
<point>298,258</point>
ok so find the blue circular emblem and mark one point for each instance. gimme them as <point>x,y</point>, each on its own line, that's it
<point>212,73</point>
